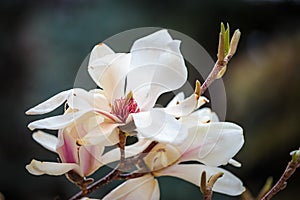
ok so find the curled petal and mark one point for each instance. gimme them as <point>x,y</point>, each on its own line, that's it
<point>46,140</point>
<point>159,126</point>
<point>58,122</point>
<point>178,98</point>
<point>50,104</point>
<point>227,184</point>
<point>154,58</point>
<point>213,143</point>
<point>109,72</point>
<point>99,51</point>
<point>145,187</point>
<point>201,116</point>
<point>50,168</point>
<point>183,108</point>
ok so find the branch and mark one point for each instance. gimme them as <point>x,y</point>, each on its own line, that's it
<point>224,56</point>
<point>289,171</point>
<point>116,174</point>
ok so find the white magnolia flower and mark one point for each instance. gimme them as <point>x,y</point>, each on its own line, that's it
<point>130,85</point>
<point>209,142</point>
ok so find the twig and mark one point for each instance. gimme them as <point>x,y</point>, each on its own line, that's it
<point>289,171</point>
<point>221,64</point>
<point>117,172</point>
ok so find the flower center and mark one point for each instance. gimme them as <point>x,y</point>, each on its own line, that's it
<point>124,106</point>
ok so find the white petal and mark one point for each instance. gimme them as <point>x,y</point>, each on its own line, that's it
<point>157,66</point>
<point>213,143</point>
<point>227,184</point>
<point>105,134</point>
<point>99,51</point>
<point>234,163</point>
<point>184,107</point>
<point>159,126</point>
<point>109,72</point>
<point>46,140</point>
<point>50,168</point>
<point>200,116</point>
<point>131,150</point>
<point>178,98</point>
<point>57,122</point>
<point>50,104</point>
<point>145,187</point>
<point>82,100</point>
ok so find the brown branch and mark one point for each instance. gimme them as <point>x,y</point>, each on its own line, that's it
<point>289,171</point>
<point>116,174</point>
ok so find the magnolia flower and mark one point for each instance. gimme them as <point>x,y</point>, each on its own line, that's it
<point>130,85</point>
<point>209,142</point>
<point>73,157</point>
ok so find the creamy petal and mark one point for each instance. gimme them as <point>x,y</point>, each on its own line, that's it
<point>99,51</point>
<point>227,184</point>
<point>109,72</point>
<point>105,134</point>
<point>50,104</point>
<point>201,116</point>
<point>159,126</point>
<point>178,98</point>
<point>184,107</point>
<point>130,150</point>
<point>46,140</point>
<point>58,122</point>
<point>145,187</point>
<point>157,66</point>
<point>83,100</point>
<point>213,143</point>
<point>50,168</point>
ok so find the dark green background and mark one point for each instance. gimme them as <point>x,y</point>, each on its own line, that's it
<point>44,42</point>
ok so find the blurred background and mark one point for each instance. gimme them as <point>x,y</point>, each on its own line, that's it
<point>44,42</point>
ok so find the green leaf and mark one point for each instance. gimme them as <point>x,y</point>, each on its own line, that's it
<point>227,39</point>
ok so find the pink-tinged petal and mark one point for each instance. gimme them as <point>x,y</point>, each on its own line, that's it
<point>50,104</point>
<point>159,126</point>
<point>109,72</point>
<point>83,100</point>
<point>50,168</point>
<point>67,147</point>
<point>213,143</point>
<point>58,122</point>
<point>156,67</point>
<point>48,141</point>
<point>99,51</point>
<point>89,159</point>
<point>145,187</point>
<point>227,184</point>
<point>105,134</point>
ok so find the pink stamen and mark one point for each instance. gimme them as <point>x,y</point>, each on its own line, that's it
<point>123,107</point>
